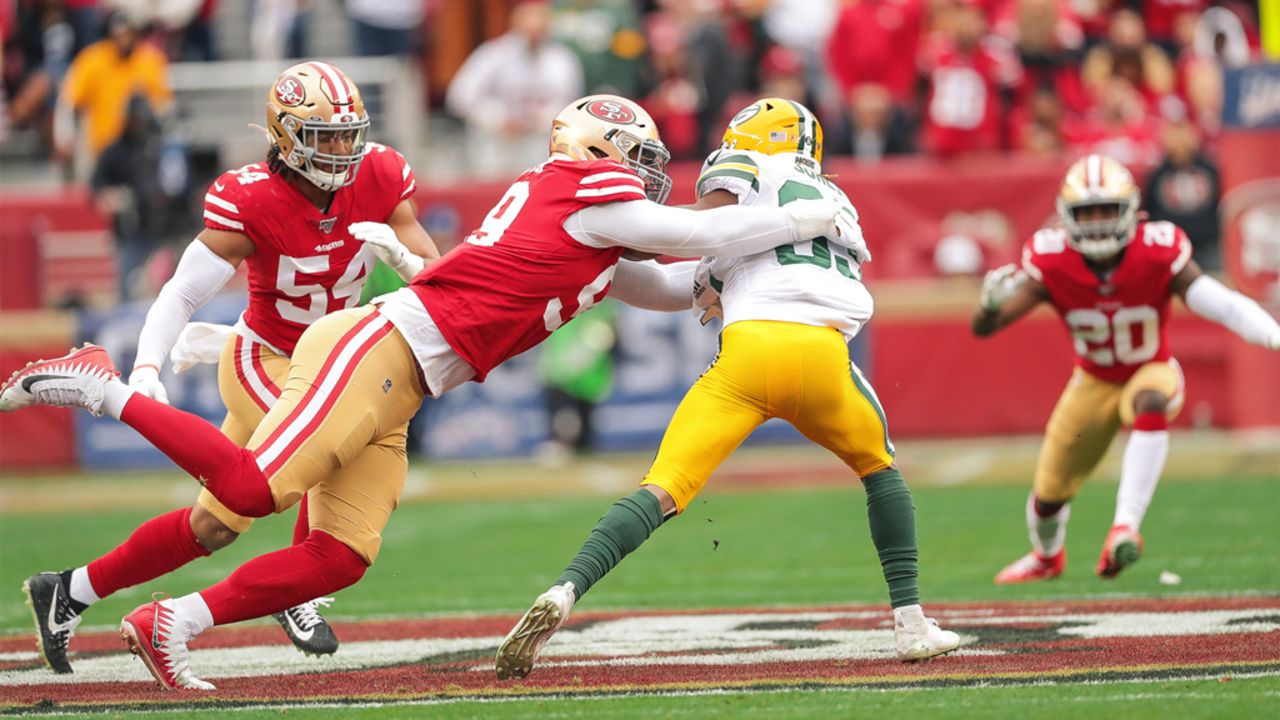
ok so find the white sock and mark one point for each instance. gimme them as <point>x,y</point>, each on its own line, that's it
<point>908,615</point>
<point>81,589</point>
<point>1048,534</point>
<point>114,396</point>
<point>192,609</point>
<point>1144,458</point>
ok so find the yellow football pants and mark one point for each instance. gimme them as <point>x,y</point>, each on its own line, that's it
<point>1087,417</point>
<point>799,373</point>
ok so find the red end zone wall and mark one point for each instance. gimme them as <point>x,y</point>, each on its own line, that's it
<point>936,379</point>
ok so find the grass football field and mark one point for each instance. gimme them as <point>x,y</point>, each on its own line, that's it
<point>743,545</point>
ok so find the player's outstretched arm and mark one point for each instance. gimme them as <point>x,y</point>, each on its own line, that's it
<point>651,285</point>
<point>401,242</point>
<point>1213,300</point>
<point>206,265</point>
<point>650,227</point>
<point>1007,294</point>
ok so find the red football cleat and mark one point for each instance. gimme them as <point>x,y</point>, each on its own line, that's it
<point>1033,566</point>
<point>1122,548</point>
<point>160,639</point>
<point>76,379</point>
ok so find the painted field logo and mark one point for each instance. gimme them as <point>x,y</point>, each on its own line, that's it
<point>606,653</point>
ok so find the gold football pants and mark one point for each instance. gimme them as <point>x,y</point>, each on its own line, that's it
<point>337,432</point>
<point>799,373</point>
<point>1085,420</point>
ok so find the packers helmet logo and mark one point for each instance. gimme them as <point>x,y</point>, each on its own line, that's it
<point>744,115</point>
<point>612,111</point>
<point>289,91</point>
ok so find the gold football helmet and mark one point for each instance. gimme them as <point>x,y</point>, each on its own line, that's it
<point>775,125</point>
<point>317,121</point>
<point>1098,205</point>
<point>609,126</point>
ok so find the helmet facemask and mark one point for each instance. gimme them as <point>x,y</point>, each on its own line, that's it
<point>648,158</point>
<point>310,138</point>
<point>1099,238</point>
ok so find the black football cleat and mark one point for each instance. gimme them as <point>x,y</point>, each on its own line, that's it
<point>55,619</point>
<point>307,630</point>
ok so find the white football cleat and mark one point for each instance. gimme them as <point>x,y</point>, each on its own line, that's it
<point>919,637</point>
<point>520,649</point>
<point>77,379</point>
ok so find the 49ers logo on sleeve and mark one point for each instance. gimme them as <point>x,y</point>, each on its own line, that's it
<point>612,111</point>
<point>289,91</point>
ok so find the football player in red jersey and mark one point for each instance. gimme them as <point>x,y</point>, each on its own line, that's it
<point>552,247</point>
<point>308,226</point>
<point>1110,276</point>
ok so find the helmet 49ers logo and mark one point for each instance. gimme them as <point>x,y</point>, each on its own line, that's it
<point>289,91</point>
<point>613,111</point>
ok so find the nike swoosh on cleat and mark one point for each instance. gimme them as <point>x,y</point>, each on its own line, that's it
<point>54,625</point>
<point>303,635</point>
<point>30,380</point>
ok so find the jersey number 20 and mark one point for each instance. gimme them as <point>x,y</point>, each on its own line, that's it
<point>1130,336</point>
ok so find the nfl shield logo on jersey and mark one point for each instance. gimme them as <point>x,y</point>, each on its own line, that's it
<point>326,225</point>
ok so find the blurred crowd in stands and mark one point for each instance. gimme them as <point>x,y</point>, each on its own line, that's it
<point>887,77</point>
<point>1140,80</point>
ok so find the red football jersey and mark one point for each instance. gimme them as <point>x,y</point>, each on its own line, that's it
<point>1117,325</point>
<point>521,275</point>
<point>304,264</point>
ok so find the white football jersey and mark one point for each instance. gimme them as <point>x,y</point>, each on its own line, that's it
<point>814,282</point>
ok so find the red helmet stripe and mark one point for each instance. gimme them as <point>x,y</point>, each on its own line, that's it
<point>336,84</point>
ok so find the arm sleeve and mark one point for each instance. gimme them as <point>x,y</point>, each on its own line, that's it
<point>648,226</point>
<point>653,286</point>
<point>200,274</point>
<point>1213,300</point>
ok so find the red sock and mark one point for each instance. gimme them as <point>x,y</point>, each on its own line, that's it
<point>159,546</point>
<point>229,472</point>
<point>302,527</point>
<point>1151,421</point>
<point>277,581</point>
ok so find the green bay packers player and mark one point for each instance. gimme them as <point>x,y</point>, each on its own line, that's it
<point>789,313</point>
<point>1111,277</point>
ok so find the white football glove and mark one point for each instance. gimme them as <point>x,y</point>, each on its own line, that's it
<point>814,218</point>
<point>999,285</point>
<point>146,380</point>
<point>706,300</point>
<point>382,240</point>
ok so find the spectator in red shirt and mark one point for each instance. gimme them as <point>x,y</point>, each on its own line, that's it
<point>1119,127</point>
<point>875,41</point>
<point>1161,18</point>
<point>971,74</point>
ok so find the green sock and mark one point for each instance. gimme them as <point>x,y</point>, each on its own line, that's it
<point>893,530</point>
<point>624,528</point>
